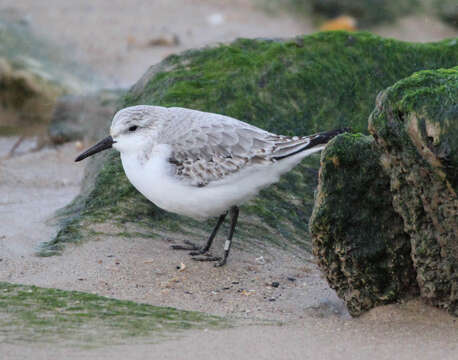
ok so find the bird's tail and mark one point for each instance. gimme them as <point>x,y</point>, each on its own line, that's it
<point>290,146</point>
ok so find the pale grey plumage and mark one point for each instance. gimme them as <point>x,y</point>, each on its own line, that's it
<point>208,147</point>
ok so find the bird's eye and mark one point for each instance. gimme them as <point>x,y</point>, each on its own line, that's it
<point>133,128</point>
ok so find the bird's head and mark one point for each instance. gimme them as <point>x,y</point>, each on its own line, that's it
<point>132,129</point>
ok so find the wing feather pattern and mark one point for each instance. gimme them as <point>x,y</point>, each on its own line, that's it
<point>208,147</point>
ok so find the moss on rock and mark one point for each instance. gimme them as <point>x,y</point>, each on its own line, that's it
<point>416,124</point>
<point>357,236</point>
<point>297,86</point>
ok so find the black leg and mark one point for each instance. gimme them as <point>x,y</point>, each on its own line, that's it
<point>227,245</point>
<point>198,250</point>
<point>207,246</point>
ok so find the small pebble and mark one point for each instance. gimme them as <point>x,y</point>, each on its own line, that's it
<point>215,19</point>
<point>164,40</point>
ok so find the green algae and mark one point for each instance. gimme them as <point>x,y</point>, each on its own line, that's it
<point>298,86</point>
<point>30,313</point>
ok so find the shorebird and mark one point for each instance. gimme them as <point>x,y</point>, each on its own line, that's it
<point>200,164</point>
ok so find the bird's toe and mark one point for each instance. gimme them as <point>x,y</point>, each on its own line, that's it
<point>206,257</point>
<point>188,246</point>
<point>199,251</point>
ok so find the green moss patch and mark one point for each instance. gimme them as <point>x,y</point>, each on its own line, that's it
<point>30,313</point>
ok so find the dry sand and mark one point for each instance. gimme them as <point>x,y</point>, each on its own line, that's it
<point>113,38</point>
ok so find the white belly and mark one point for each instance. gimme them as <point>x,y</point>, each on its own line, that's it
<point>155,181</point>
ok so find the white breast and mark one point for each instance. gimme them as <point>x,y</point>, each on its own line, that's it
<point>154,179</point>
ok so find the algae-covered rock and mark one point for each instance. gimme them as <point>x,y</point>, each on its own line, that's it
<point>77,117</point>
<point>32,76</point>
<point>416,124</point>
<point>358,238</point>
<point>298,86</point>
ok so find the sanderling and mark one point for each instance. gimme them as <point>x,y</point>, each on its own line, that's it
<point>201,164</point>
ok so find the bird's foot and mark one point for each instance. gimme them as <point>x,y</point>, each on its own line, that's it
<point>189,246</point>
<point>206,257</point>
<point>199,251</point>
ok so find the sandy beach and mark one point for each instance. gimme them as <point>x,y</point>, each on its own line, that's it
<point>120,43</point>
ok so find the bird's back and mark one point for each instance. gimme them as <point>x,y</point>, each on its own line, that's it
<point>209,147</point>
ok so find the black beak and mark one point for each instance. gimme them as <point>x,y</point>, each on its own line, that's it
<point>104,144</point>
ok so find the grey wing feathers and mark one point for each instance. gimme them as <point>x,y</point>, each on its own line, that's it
<point>208,147</point>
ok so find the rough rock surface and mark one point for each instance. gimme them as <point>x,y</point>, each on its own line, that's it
<point>77,117</point>
<point>31,79</point>
<point>416,124</point>
<point>358,238</point>
<point>298,86</point>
